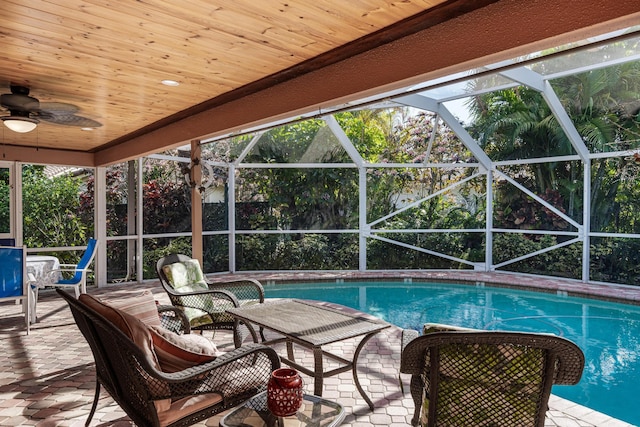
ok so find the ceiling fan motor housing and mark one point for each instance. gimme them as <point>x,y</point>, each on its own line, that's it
<point>19,100</point>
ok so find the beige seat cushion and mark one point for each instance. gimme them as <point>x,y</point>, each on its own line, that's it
<point>428,328</point>
<point>188,405</point>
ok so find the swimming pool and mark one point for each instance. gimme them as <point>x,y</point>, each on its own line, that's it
<point>608,333</point>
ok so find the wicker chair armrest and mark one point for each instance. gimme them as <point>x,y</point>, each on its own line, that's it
<point>413,349</point>
<point>244,352</point>
<point>243,288</point>
<point>408,335</point>
<point>246,369</point>
<point>174,319</point>
<point>570,363</point>
<point>199,299</point>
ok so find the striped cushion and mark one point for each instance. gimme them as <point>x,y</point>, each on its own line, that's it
<point>142,307</point>
<point>132,327</point>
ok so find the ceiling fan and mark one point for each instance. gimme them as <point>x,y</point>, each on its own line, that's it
<point>26,112</point>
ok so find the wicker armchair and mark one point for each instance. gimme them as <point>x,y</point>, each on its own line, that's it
<point>482,378</point>
<point>150,396</point>
<point>205,302</point>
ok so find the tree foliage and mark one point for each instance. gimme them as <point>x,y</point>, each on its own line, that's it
<point>5,193</point>
<point>51,210</point>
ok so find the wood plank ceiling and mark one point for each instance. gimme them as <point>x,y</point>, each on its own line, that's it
<point>109,57</point>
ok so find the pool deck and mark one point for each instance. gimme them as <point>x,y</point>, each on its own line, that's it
<point>47,377</point>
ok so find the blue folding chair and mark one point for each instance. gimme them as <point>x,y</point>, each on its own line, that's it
<point>14,282</point>
<point>79,279</point>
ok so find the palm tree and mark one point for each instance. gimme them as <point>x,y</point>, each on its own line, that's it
<point>602,103</point>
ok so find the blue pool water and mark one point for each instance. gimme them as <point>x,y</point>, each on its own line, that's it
<point>608,333</point>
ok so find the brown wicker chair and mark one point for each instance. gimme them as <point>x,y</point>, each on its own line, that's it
<point>151,397</point>
<point>482,378</point>
<point>212,300</point>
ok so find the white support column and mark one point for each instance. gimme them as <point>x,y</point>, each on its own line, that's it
<point>16,200</point>
<point>100,225</point>
<point>586,220</point>
<point>231,219</point>
<point>362,218</point>
<point>488,250</point>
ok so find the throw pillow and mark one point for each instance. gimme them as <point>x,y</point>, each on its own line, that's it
<point>178,352</point>
<point>128,324</point>
<point>142,306</point>
<point>187,277</point>
<point>184,273</point>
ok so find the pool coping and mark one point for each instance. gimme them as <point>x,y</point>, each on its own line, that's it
<point>566,287</point>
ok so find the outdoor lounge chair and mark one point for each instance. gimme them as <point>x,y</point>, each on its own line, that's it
<point>15,283</point>
<point>205,302</point>
<point>75,275</point>
<point>485,378</point>
<point>156,382</point>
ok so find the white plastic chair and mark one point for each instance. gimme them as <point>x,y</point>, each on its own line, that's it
<point>79,279</point>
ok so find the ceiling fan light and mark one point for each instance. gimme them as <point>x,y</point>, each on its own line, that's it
<point>20,124</point>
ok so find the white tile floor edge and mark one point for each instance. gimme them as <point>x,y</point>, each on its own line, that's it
<point>565,413</point>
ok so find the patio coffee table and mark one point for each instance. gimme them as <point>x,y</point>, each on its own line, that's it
<point>314,412</point>
<point>312,326</point>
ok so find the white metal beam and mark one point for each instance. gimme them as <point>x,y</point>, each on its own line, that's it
<point>344,140</point>
<point>424,103</point>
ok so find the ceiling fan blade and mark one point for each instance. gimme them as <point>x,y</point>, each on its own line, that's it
<point>69,120</point>
<point>58,108</point>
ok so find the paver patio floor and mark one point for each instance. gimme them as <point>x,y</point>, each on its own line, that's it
<point>47,377</point>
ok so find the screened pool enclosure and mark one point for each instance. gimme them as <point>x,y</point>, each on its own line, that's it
<point>529,165</point>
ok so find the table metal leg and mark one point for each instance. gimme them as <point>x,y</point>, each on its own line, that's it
<point>318,371</point>
<point>238,338</point>
<point>355,368</point>
<point>290,354</point>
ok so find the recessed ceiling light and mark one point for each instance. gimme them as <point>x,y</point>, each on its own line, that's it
<point>170,83</point>
<point>87,129</point>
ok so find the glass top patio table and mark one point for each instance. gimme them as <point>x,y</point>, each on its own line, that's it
<point>43,271</point>
<point>312,325</point>
<point>41,267</point>
<point>314,412</point>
